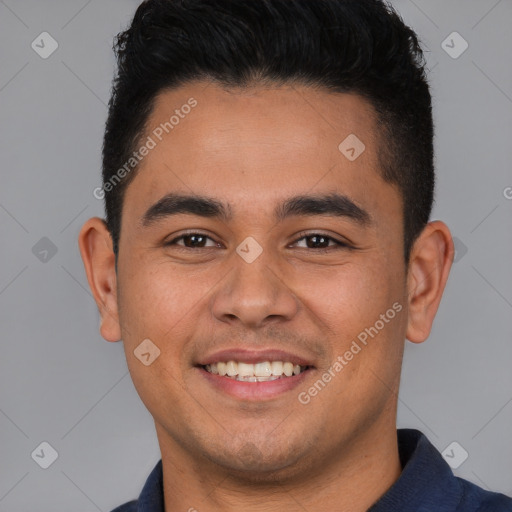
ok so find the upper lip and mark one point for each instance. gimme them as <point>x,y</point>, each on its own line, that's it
<point>254,356</point>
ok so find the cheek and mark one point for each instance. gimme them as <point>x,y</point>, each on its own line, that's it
<point>360,376</point>
<point>360,308</point>
<point>160,301</point>
<point>348,297</point>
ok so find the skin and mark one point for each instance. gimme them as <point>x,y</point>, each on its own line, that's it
<point>253,149</point>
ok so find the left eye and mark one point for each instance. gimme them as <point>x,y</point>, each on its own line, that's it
<point>319,241</point>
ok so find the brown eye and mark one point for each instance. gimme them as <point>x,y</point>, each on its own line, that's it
<point>320,241</point>
<point>193,241</point>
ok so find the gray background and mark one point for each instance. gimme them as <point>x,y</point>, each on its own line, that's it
<point>60,382</point>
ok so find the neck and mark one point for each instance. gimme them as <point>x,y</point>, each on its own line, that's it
<point>350,479</point>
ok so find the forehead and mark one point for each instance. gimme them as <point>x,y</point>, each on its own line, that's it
<point>298,119</point>
<point>258,145</point>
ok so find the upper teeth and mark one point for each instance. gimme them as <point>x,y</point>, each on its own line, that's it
<point>263,369</point>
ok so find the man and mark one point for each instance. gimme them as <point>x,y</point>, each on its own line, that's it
<point>268,181</point>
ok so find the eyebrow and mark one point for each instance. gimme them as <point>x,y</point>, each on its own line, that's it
<point>334,204</point>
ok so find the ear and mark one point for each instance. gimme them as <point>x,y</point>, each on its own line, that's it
<point>429,266</point>
<point>97,253</point>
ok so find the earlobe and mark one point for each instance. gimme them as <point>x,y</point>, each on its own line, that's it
<point>429,266</point>
<point>95,245</point>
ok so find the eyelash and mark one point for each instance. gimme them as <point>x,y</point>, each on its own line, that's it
<point>338,244</point>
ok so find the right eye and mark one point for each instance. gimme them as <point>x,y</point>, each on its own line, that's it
<point>192,240</point>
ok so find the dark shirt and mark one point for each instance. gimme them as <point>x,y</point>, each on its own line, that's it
<point>426,484</point>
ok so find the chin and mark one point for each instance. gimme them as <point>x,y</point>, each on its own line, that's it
<point>262,462</point>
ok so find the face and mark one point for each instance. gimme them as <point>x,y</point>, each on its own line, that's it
<point>295,257</point>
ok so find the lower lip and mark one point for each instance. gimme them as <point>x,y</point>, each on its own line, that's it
<point>255,390</point>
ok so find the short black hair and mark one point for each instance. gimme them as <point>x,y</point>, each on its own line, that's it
<point>355,46</point>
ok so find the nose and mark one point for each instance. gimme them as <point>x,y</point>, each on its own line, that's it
<point>254,295</point>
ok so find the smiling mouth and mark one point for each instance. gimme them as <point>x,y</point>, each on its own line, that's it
<point>259,372</point>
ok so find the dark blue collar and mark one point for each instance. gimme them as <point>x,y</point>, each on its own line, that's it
<point>426,482</point>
